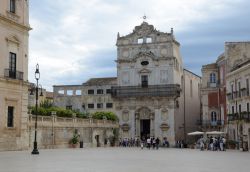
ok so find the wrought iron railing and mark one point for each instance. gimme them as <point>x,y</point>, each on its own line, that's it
<point>14,74</point>
<point>170,90</point>
<point>210,123</point>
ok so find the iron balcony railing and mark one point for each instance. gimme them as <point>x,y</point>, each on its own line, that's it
<point>210,123</point>
<point>213,84</point>
<point>239,117</point>
<point>170,90</point>
<point>244,92</point>
<point>8,73</point>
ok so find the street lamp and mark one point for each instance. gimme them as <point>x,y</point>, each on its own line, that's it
<point>37,77</point>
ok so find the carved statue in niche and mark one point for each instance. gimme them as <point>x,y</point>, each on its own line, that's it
<point>164,115</point>
<point>125,116</point>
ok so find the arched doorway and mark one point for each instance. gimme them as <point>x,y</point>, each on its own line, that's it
<point>144,123</point>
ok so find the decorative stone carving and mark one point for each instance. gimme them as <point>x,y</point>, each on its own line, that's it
<point>125,54</point>
<point>125,127</point>
<point>164,52</point>
<point>152,116</point>
<point>144,113</point>
<point>125,116</point>
<point>164,114</point>
<point>144,29</point>
<point>137,115</point>
<point>164,126</point>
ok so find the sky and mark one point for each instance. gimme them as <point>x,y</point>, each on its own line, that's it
<point>74,40</point>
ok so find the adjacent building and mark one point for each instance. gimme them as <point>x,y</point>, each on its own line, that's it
<point>93,95</point>
<point>238,97</point>
<point>213,95</point>
<point>14,35</point>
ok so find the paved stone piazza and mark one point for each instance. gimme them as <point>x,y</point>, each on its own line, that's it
<point>124,160</point>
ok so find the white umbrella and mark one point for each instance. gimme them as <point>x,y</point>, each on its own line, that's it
<point>215,132</point>
<point>196,133</point>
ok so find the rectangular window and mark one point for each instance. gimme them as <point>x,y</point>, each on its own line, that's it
<point>91,106</point>
<point>69,107</point>
<point>144,81</point>
<point>99,105</point>
<point>140,41</point>
<point>10,118</point>
<point>108,91</point>
<point>69,92</point>
<point>78,92</point>
<point>12,65</point>
<point>100,91</point>
<point>149,40</point>
<point>239,88</point>
<point>13,6</point>
<point>83,106</point>
<point>233,110</point>
<point>91,91</point>
<point>232,91</point>
<point>247,84</point>
<point>109,105</point>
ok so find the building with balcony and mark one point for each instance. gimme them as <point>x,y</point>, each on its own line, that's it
<point>238,97</point>
<point>152,94</point>
<point>14,34</point>
<point>213,95</point>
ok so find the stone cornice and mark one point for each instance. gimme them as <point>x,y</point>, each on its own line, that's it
<point>237,71</point>
<point>27,28</point>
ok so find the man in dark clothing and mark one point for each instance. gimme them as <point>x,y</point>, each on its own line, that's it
<point>157,142</point>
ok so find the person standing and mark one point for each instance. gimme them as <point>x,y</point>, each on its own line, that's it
<point>148,143</point>
<point>157,142</point>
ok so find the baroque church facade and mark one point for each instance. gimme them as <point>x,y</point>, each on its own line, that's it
<point>152,95</point>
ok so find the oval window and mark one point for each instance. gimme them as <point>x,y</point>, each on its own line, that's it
<point>144,63</point>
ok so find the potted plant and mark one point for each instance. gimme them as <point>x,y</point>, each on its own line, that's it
<point>231,144</point>
<point>74,140</point>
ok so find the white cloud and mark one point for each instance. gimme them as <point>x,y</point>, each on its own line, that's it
<point>78,29</point>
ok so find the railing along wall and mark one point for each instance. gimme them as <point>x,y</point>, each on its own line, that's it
<point>72,122</point>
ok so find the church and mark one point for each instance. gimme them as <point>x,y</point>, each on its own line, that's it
<point>153,95</point>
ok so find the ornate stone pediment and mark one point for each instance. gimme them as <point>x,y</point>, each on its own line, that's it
<point>13,39</point>
<point>144,29</point>
<point>144,54</point>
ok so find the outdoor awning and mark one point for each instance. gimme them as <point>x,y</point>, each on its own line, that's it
<point>196,133</point>
<point>215,132</point>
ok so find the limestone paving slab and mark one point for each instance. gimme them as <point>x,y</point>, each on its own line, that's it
<point>124,160</point>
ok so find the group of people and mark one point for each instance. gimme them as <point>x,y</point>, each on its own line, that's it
<point>213,143</point>
<point>129,142</point>
<point>149,142</point>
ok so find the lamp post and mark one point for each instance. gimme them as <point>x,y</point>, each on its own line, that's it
<point>37,77</point>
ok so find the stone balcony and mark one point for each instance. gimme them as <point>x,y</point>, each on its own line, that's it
<point>170,90</point>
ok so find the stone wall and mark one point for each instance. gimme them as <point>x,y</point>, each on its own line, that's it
<point>55,132</point>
